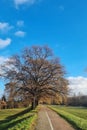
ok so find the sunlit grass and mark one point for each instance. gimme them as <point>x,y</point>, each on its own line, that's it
<point>17,119</point>
<point>4,113</point>
<point>76,116</point>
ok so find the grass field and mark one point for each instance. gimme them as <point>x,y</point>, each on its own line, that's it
<point>17,119</point>
<point>75,115</point>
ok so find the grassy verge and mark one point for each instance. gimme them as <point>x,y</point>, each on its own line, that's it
<point>5,113</point>
<point>23,120</point>
<point>26,124</point>
<point>76,121</point>
<point>77,111</point>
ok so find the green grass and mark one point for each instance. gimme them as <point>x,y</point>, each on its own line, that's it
<point>77,111</point>
<point>5,113</point>
<point>17,119</point>
<point>76,116</point>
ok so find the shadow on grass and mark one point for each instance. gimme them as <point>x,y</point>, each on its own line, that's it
<point>18,114</point>
<point>5,124</point>
<point>71,122</point>
<point>16,122</point>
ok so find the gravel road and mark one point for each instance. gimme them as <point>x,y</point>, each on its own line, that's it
<point>49,120</point>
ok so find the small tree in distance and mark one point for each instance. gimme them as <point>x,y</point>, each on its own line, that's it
<point>35,74</point>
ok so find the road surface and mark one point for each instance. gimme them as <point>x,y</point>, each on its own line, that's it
<point>50,120</point>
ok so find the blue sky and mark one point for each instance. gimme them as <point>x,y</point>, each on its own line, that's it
<point>61,24</point>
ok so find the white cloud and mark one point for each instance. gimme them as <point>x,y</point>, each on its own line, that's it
<point>78,84</point>
<point>22,2</point>
<point>3,59</point>
<point>20,33</point>
<point>5,27</point>
<point>4,43</point>
<point>20,23</point>
<point>1,93</point>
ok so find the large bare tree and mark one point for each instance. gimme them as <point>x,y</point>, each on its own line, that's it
<point>35,73</point>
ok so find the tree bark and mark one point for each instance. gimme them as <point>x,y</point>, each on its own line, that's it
<point>34,103</point>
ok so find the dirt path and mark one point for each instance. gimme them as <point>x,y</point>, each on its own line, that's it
<point>49,120</point>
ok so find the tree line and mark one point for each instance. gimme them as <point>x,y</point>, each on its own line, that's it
<point>77,100</point>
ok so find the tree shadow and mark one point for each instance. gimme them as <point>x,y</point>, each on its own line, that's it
<point>5,124</point>
<point>19,114</point>
<point>16,122</point>
<point>71,122</point>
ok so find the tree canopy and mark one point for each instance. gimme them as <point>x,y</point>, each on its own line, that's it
<point>34,74</point>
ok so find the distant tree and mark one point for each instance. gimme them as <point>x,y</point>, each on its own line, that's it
<point>3,103</point>
<point>35,74</point>
<point>79,100</point>
<point>10,93</point>
<point>3,98</point>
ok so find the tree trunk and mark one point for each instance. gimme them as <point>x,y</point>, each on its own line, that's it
<point>34,103</point>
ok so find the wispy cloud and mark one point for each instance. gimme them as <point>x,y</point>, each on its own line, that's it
<point>23,2</point>
<point>3,59</point>
<point>78,84</point>
<point>1,92</point>
<point>20,23</point>
<point>4,43</point>
<point>20,33</point>
<point>61,8</point>
<point>5,27</point>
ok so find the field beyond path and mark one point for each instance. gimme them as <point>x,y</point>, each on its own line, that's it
<point>50,120</point>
